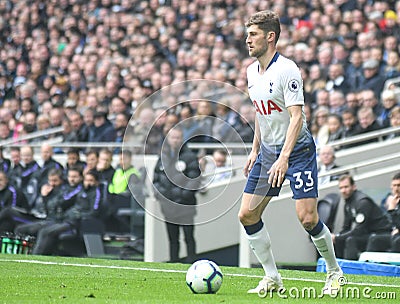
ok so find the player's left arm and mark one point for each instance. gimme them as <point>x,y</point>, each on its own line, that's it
<point>279,168</point>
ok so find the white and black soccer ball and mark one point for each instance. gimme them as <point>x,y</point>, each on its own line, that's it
<point>204,276</point>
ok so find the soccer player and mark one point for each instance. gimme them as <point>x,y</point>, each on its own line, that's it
<point>282,148</point>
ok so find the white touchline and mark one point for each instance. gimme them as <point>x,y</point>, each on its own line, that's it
<point>183,271</point>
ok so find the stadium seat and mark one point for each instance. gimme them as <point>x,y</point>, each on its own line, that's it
<point>327,208</point>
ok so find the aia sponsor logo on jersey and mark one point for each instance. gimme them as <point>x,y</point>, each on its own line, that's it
<point>266,107</point>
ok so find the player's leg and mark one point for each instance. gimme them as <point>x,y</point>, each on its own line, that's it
<point>307,213</point>
<point>251,209</point>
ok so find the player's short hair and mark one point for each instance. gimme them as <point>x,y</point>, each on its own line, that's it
<point>268,21</point>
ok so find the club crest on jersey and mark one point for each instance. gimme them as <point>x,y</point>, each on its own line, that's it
<point>294,85</point>
<point>266,107</point>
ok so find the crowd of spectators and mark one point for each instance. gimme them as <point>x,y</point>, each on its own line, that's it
<point>88,66</point>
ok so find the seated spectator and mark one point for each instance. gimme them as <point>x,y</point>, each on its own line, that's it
<point>29,168</point>
<point>349,123</point>
<point>103,130</point>
<point>366,123</point>
<point>372,79</point>
<point>394,121</point>
<point>14,173</point>
<point>4,162</point>
<point>47,162</point>
<point>73,160</point>
<point>389,101</point>
<point>326,163</point>
<point>369,99</point>
<point>246,124</point>
<point>125,174</point>
<point>92,157</point>
<point>335,127</point>
<point>104,168</point>
<point>337,79</point>
<point>49,207</point>
<point>362,217</point>
<point>78,126</point>
<point>319,129</point>
<point>87,205</point>
<point>10,198</point>
<point>389,241</point>
<point>217,169</point>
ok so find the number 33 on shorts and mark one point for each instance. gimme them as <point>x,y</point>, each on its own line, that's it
<point>303,180</point>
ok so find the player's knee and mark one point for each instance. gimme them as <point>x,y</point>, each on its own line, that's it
<point>247,217</point>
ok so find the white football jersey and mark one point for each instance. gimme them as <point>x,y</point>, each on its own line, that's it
<point>279,87</point>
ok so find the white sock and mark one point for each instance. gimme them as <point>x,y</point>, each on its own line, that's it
<point>324,244</point>
<point>260,243</point>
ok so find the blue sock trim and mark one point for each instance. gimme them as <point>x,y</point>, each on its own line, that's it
<point>317,229</point>
<point>251,229</point>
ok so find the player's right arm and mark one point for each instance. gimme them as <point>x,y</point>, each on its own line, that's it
<point>254,150</point>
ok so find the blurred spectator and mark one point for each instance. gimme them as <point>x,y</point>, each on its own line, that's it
<point>73,160</point>
<point>10,198</point>
<point>88,204</point>
<point>319,129</point>
<point>336,79</point>
<point>349,123</point>
<point>370,100</point>
<point>389,101</point>
<point>46,163</point>
<point>104,167</point>
<point>176,180</point>
<point>92,157</point>
<point>389,241</point>
<point>362,217</point>
<point>326,163</point>
<point>366,123</point>
<point>103,130</point>
<point>217,168</point>
<point>335,127</point>
<point>394,121</point>
<point>78,126</point>
<point>354,71</point>
<point>5,164</point>
<point>337,102</point>
<point>372,79</point>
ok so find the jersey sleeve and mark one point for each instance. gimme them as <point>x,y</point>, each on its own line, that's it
<point>292,86</point>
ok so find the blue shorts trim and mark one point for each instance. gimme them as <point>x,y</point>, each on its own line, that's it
<point>302,172</point>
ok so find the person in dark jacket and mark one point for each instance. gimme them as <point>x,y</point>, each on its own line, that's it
<point>49,206</point>
<point>11,199</point>
<point>362,217</point>
<point>87,205</point>
<point>389,241</point>
<point>176,180</point>
<point>47,163</point>
<point>103,130</point>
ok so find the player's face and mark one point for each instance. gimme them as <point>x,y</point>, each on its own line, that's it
<point>256,41</point>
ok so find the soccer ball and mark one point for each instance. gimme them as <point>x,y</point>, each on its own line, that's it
<point>204,276</point>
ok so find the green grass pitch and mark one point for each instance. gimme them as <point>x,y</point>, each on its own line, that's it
<point>39,279</point>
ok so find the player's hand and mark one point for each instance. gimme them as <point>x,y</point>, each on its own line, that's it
<point>277,172</point>
<point>46,189</point>
<point>250,163</point>
<point>333,237</point>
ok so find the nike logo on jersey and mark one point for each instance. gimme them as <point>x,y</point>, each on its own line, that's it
<point>251,86</point>
<point>308,189</point>
<point>265,108</point>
